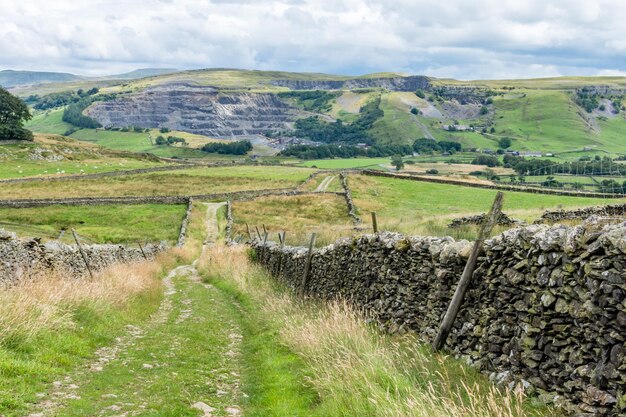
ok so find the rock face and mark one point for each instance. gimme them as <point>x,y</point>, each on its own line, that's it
<point>410,83</point>
<point>201,110</point>
<point>546,308</point>
<point>22,258</point>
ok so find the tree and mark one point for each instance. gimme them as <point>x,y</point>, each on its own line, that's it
<point>13,113</point>
<point>415,111</point>
<point>397,161</point>
<point>505,143</point>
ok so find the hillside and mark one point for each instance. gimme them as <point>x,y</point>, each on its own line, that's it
<point>549,115</point>
<point>11,78</point>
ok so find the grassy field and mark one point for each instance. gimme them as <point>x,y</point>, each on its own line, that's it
<point>56,155</point>
<point>181,182</point>
<point>100,224</point>
<point>423,208</point>
<point>50,121</point>
<point>298,216</point>
<point>346,163</point>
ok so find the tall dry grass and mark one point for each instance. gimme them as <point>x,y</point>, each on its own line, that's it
<point>48,300</point>
<point>357,370</point>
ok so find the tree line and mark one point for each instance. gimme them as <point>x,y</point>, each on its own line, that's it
<point>241,147</point>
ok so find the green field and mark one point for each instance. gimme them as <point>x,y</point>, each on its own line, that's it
<point>424,208</point>
<point>346,163</point>
<point>51,155</point>
<point>180,182</point>
<point>50,121</point>
<point>99,224</point>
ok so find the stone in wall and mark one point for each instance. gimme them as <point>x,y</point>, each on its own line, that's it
<point>546,308</point>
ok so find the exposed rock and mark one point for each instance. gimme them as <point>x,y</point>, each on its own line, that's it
<point>410,83</point>
<point>196,109</point>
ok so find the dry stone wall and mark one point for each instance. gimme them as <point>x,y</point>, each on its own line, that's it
<point>546,309</point>
<point>23,258</point>
<point>612,210</point>
<point>348,196</point>
<point>503,220</point>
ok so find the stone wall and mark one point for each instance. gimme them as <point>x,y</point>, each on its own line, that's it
<point>613,210</point>
<point>182,235</point>
<point>348,196</point>
<point>165,199</point>
<point>503,220</point>
<point>22,258</point>
<point>546,309</point>
<point>495,186</point>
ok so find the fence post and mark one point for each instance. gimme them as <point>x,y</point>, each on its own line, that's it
<point>466,278</point>
<point>80,249</point>
<point>249,234</point>
<point>374,222</point>
<point>282,240</point>
<point>257,232</point>
<point>307,266</point>
<point>142,252</point>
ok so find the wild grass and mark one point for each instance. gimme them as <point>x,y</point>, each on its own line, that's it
<point>354,369</point>
<point>414,207</point>
<point>183,182</point>
<point>100,224</point>
<point>52,323</point>
<point>298,216</point>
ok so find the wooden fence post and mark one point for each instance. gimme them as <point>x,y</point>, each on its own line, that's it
<point>282,240</point>
<point>142,252</point>
<point>80,249</point>
<point>257,232</point>
<point>307,266</point>
<point>249,234</point>
<point>466,278</point>
<point>374,222</point>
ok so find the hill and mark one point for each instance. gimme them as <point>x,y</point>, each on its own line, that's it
<point>568,116</point>
<point>11,78</point>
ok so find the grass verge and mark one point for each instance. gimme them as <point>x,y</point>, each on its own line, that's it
<point>53,324</point>
<point>350,368</point>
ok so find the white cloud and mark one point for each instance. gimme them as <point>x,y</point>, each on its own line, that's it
<point>454,38</point>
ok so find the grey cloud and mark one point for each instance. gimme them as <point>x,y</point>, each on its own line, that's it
<point>455,38</point>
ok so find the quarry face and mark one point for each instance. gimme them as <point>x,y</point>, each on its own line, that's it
<point>197,109</point>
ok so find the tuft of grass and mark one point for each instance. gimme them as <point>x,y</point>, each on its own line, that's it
<point>354,369</point>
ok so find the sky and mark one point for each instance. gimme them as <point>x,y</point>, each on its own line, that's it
<point>463,39</point>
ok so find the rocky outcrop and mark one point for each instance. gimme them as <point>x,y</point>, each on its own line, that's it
<point>503,220</point>
<point>196,109</point>
<point>546,308</point>
<point>410,83</point>
<point>23,258</point>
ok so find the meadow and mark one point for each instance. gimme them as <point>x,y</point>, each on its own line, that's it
<point>98,224</point>
<point>421,208</point>
<point>192,181</point>
<point>298,216</point>
<point>51,155</point>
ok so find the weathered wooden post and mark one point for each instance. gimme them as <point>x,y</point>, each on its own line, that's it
<point>249,234</point>
<point>264,228</point>
<point>374,222</point>
<point>142,252</point>
<point>257,232</point>
<point>307,266</point>
<point>466,278</point>
<point>82,254</point>
<point>282,240</point>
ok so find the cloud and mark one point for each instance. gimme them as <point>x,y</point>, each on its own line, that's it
<point>455,38</point>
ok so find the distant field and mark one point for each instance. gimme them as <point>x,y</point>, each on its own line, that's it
<point>426,208</point>
<point>298,216</point>
<point>181,182</point>
<point>50,121</point>
<point>55,155</point>
<point>346,163</point>
<point>101,224</point>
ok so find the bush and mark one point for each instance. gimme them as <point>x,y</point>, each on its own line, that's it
<point>432,171</point>
<point>420,94</point>
<point>505,143</point>
<point>415,111</point>
<point>232,148</point>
